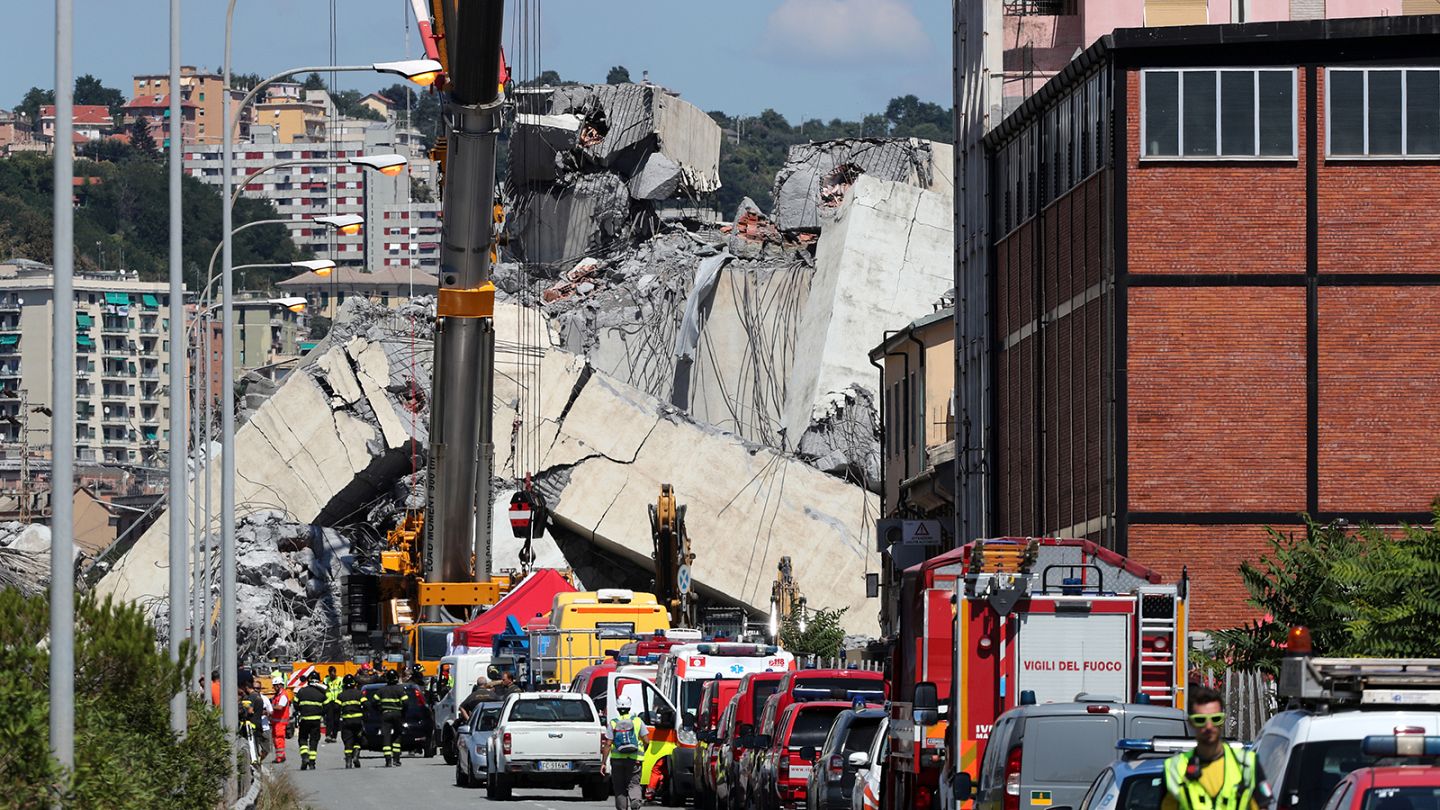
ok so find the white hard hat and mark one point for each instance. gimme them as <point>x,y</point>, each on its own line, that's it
<point>622,703</point>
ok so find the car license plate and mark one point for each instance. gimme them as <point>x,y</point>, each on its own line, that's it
<point>556,766</point>
<point>799,771</point>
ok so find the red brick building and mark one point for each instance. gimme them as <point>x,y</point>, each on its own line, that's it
<point>1215,292</point>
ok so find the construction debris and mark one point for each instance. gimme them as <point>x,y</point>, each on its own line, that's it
<point>596,167</point>
<point>25,557</point>
<point>816,176</point>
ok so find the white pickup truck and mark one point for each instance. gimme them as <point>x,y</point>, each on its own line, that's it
<point>546,740</point>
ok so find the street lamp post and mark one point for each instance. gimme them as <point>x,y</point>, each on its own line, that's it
<point>178,592</point>
<point>62,392</point>
<point>422,71</point>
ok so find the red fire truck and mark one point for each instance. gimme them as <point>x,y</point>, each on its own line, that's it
<point>998,622</point>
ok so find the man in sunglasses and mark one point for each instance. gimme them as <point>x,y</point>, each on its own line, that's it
<point>1213,776</point>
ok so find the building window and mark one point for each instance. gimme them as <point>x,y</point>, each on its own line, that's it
<point>1390,112</point>
<point>1228,113</point>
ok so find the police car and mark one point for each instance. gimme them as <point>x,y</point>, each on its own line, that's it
<point>1136,781</point>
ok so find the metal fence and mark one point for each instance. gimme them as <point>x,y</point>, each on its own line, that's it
<point>1249,701</point>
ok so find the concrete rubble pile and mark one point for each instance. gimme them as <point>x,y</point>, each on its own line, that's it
<point>598,166</point>
<point>635,345</point>
<point>596,446</point>
<point>713,319</point>
<point>25,557</point>
<point>288,577</point>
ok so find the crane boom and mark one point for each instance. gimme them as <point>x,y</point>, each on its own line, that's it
<point>457,525</point>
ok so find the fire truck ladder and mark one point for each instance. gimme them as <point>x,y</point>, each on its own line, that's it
<point>1159,619</point>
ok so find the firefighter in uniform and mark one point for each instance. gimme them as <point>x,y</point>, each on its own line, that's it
<point>310,702</point>
<point>1212,776</point>
<point>391,699</point>
<point>352,719</point>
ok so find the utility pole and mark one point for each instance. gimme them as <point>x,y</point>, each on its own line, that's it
<point>457,521</point>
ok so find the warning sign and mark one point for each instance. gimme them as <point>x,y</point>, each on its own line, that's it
<point>921,533</point>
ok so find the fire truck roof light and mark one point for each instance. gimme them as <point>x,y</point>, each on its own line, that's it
<point>1297,642</point>
<point>1400,745</point>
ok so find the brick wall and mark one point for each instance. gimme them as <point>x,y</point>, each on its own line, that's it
<point>1216,399</point>
<point>1213,216</point>
<point>1058,366</point>
<point>1379,416</point>
<point>1212,555</point>
<point>1376,216</point>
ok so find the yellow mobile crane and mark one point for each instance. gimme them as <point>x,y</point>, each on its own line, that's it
<point>435,570</point>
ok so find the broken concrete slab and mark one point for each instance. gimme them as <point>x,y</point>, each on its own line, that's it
<point>584,215</point>
<point>746,505</point>
<point>623,123</point>
<point>816,176</point>
<point>300,455</point>
<point>882,262</point>
<point>658,178</point>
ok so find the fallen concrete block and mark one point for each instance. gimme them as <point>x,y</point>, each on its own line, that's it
<point>816,176</point>
<point>886,257</point>
<point>658,178</point>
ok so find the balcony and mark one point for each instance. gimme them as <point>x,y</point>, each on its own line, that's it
<point>109,327</point>
<point>9,372</point>
<point>9,306</point>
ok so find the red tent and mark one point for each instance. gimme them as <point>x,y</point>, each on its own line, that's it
<point>534,595</point>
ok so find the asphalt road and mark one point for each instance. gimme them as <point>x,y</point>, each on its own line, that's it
<point>418,783</point>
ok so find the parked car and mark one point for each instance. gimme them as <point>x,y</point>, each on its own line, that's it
<point>1305,753</point>
<point>1049,754</point>
<point>546,740</point>
<point>1414,785</point>
<point>473,742</point>
<point>846,750</point>
<point>717,701</point>
<point>755,689</point>
<point>417,726</point>
<point>866,794</point>
<point>780,762</point>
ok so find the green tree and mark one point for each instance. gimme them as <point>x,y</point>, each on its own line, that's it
<point>314,82</point>
<point>1361,593</point>
<point>35,98</point>
<point>822,636</point>
<point>90,90</point>
<point>141,139</point>
<point>618,75</point>
<point>421,192</point>
<point>126,756</point>
<point>245,81</point>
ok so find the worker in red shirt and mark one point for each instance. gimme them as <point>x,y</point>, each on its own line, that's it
<point>279,716</point>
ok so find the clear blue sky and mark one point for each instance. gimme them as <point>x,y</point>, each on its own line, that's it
<point>805,58</point>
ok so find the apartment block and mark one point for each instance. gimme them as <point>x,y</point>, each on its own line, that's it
<point>201,88</point>
<point>301,193</point>
<point>122,370</point>
<point>410,236</point>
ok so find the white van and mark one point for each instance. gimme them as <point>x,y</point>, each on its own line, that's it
<point>464,670</point>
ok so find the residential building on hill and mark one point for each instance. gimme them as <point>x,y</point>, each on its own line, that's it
<point>122,362</point>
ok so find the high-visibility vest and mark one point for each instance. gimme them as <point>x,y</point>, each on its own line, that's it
<point>1235,793</point>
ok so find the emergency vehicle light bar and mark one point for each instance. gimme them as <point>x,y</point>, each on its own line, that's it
<point>1400,745</point>
<point>739,650</point>
<point>1157,745</point>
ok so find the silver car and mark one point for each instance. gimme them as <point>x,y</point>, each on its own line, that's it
<point>472,740</point>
